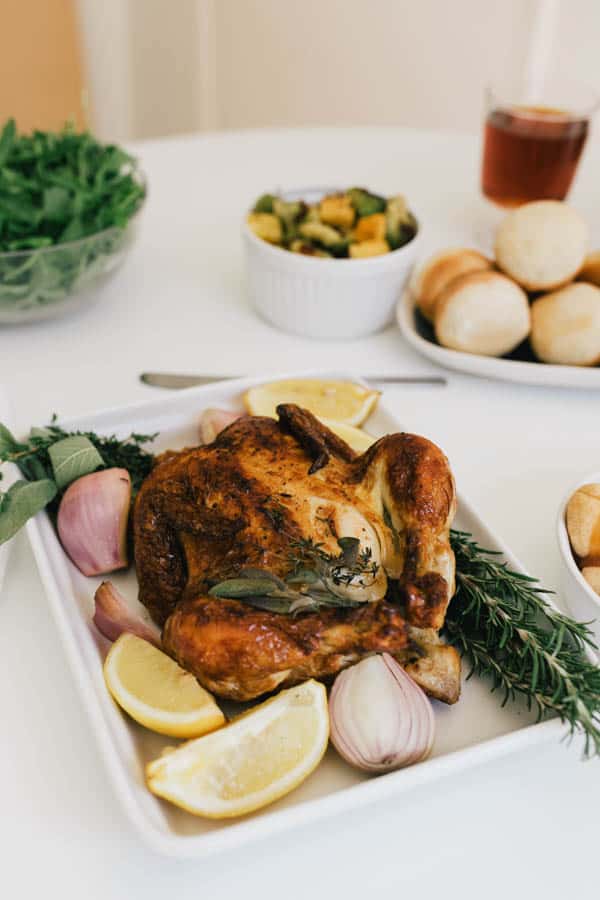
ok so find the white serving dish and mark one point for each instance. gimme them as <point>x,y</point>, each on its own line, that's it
<point>522,372</point>
<point>476,730</point>
<point>325,298</point>
<point>583,602</point>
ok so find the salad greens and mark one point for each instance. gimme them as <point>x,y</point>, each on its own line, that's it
<point>56,188</point>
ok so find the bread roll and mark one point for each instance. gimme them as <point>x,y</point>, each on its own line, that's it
<point>591,269</point>
<point>541,245</point>
<point>483,312</point>
<point>439,271</point>
<point>592,576</point>
<point>565,326</point>
<point>583,521</point>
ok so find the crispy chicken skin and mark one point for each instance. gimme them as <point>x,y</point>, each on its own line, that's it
<point>203,514</point>
<point>240,652</point>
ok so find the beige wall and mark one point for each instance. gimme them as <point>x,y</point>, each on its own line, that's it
<point>167,66</point>
<point>40,70</point>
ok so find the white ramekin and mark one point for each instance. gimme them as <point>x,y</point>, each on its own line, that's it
<point>582,601</point>
<point>325,298</point>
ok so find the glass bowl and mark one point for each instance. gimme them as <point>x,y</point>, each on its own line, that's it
<point>49,281</point>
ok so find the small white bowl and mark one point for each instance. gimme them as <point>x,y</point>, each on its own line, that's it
<point>582,601</point>
<point>325,298</point>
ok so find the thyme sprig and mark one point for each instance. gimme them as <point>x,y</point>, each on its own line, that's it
<point>502,622</point>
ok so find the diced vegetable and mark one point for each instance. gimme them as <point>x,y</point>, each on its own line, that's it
<point>369,248</point>
<point>289,214</point>
<point>336,225</point>
<point>371,228</point>
<point>266,226</point>
<point>365,203</point>
<point>323,234</point>
<point>337,210</point>
<point>264,204</point>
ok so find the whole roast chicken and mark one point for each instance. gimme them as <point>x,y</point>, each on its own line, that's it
<point>349,553</point>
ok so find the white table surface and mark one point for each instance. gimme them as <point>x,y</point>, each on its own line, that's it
<point>525,826</point>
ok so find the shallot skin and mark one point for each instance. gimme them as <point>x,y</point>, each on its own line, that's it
<point>380,718</point>
<point>92,521</point>
<point>112,616</point>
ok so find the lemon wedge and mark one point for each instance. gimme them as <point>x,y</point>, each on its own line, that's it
<point>157,692</point>
<point>253,761</point>
<point>339,401</point>
<point>358,439</point>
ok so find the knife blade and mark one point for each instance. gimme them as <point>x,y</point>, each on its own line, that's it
<point>175,381</point>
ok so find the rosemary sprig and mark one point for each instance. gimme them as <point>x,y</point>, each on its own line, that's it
<point>501,621</point>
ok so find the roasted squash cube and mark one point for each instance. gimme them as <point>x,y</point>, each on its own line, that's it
<point>370,228</point>
<point>337,209</point>
<point>369,248</point>
<point>266,226</point>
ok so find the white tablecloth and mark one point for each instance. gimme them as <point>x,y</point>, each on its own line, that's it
<point>525,826</point>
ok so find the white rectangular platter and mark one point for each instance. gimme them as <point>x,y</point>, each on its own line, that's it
<point>474,731</point>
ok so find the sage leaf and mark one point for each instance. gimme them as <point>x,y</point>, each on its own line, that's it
<point>238,588</point>
<point>22,501</point>
<point>73,457</point>
<point>8,444</point>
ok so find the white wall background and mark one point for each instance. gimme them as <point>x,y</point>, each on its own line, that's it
<point>159,67</point>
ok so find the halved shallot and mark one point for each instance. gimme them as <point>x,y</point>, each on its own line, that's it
<point>380,719</point>
<point>112,616</point>
<point>92,521</point>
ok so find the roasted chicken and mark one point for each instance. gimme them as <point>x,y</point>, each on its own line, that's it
<point>248,501</point>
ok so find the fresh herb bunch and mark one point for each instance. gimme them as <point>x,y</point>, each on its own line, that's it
<point>312,582</point>
<point>63,186</point>
<point>501,621</point>
<point>51,458</point>
<point>67,192</point>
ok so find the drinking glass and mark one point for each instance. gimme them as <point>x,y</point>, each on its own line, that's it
<point>531,148</point>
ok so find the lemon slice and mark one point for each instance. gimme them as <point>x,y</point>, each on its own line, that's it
<point>256,759</point>
<point>358,439</point>
<point>340,401</point>
<point>157,692</point>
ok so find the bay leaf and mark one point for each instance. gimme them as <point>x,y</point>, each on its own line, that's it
<point>73,457</point>
<point>23,500</point>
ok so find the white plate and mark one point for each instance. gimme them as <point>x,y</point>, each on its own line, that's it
<point>476,730</point>
<point>490,366</point>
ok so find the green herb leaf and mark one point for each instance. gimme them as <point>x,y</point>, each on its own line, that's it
<point>501,621</point>
<point>73,457</point>
<point>237,588</point>
<point>22,501</point>
<point>7,442</point>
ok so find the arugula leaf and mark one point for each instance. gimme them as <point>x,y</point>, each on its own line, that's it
<point>22,501</point>
<point>73,457</point>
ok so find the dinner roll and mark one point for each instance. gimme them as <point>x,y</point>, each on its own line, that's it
<point>583,521</point>
<point>483,312</point>
<point>541,245</point>
<point>437,273</point>
<point>591,269</point>
<point>592,576</point>
<point>565,326</point>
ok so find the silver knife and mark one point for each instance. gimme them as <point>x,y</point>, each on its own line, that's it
<point>173,381</point>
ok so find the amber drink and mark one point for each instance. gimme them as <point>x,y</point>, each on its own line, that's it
<point>530,153</point>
